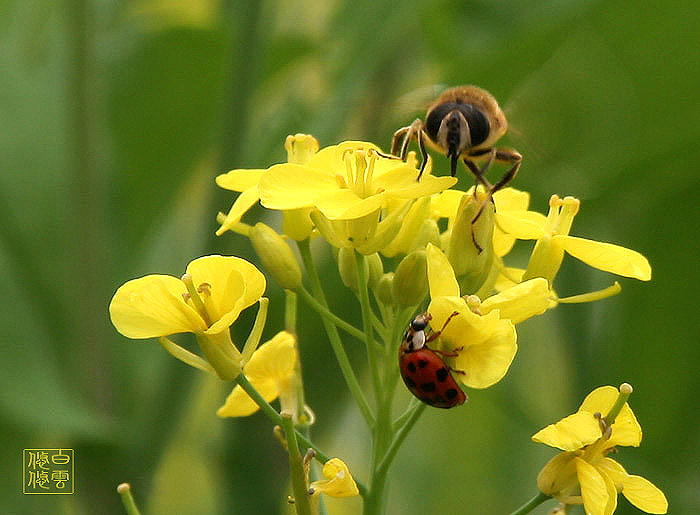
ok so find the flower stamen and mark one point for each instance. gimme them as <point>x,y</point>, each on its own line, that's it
<point>197,302</point>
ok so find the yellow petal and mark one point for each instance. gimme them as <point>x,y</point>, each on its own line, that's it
<point>239,404</point>
<point>487,353</point>
<point>644,495</point>
<point>243,203</point>
<point>239,180</point>
<point>557,475</point>
<point>524,225</point>
<point>441,277</point>
<point>613,470</point>
<point>401,183</point>
<point>612,493</point>
<point>234,284</point>
<point>291,186</point>
<point>626,430</point>
<point>338,482</point>
<point>606,256</point>
<point>445,204</point>
<point>153,306</point>
<point>344,204</point>
<point>508,277</point>
<point>274,359</point>
<point>520,302</point>
<point>507,199</point>
<point>329,157</point>
<point>510,199</point>
<point>600,400</point>
<point>594,491</point>
<point>570,433</point>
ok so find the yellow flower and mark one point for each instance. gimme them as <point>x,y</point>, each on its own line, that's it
<point>583,474</point>
<point>161,305</point>
<point>485,344</point>
<point>205,301</point>
<point>300,148</point>
<point>338,482</point>
<point>271,371</point>
<point>350,186</point>
<point>553,240</point>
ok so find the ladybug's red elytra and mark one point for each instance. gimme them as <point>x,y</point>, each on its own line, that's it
<point>425,373</point>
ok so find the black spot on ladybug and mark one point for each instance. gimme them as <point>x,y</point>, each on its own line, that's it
<point>451,393</point>
<point>428,387</point>
<point>441,374</point>
<point>411,366</point>
<point>438,400</point>
<point>409,382</point>
<point>422,363</point>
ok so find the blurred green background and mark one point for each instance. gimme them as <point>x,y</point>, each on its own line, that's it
<point>115,117</point>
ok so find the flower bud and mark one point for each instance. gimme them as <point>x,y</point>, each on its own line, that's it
<point>300,148</point>
<point>384,290</point>
<point>276,256</point>
<point>404,240</point>
<point>376,269</point>
<point>429,233</point>
<point>296,223</point>
<point>346,267</point>
<point>410,285</point>
<point>470,249</point>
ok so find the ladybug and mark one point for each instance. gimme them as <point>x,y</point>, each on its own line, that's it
<point>425,373</point>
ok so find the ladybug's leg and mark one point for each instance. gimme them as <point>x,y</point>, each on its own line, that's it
<point>435,334</point>
<point>457,371</point>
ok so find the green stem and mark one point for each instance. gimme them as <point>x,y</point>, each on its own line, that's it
<point>399,438</point>
<point>333,336</point>
<point>124,491</point>
<point>367,323</point>
<point>290,324</point>
<point>324,312</point>
<point>401,419</point>
<point>302,503</point>
<point>383,443</point>
<point>290,311</point>
<point>374,500</point>
<point>531,504</point>
<point>276,418</point>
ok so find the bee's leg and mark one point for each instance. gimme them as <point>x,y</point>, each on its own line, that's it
<point>507,155</point>
<point>423,153</point>
<point>480,176</point>
<point>398,139</point>
<point>403,137</point>
<point>480,173</point>
<point>501,155</point>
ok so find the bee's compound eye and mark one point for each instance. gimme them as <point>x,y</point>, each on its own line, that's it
<point>479,126</point>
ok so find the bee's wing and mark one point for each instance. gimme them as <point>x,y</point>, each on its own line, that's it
<point>415,102</point>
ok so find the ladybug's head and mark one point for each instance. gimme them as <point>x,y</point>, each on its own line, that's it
<point>421,321</point>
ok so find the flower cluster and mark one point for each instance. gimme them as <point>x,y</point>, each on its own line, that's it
<point>583,473</point>
<point>399,243</point>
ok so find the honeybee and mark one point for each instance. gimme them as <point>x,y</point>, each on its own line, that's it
<point>464,123</point>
